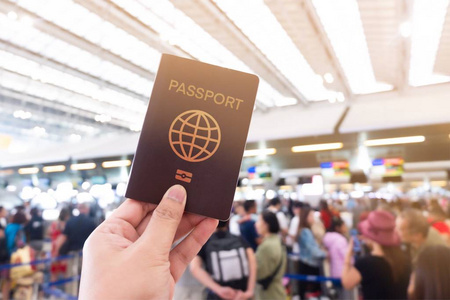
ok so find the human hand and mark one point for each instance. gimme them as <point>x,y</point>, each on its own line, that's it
<point>129,255</point>
<point>225,292</point>
<point>240,295</point>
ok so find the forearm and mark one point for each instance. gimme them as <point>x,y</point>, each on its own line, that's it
<point>204,278</point>
<point>252,273</point>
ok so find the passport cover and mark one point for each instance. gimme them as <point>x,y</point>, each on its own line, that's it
<point>194,134</point>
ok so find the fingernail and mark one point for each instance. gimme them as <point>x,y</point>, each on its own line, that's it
<point>177,193</point>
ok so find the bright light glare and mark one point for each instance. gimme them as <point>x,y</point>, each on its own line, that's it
<point>12,15</point>
<point>84,166</point>
<point>26,171</point>
<point>395,141</point>
<point>317,147</point>
<point>52,169</point>
<point>258,152</point>
<point>253,17</point>
<point>116,163</point>
<point>342,23</point>
<point>405,29</point>
<point>428,21</point>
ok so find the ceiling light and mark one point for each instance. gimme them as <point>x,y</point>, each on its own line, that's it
<point>83,166</point>
<point>253,17</point>
<point>25,171</point>
<point>328,78</point>
<point>116,163</point>
<point>102,118</point>
<point>259,152</point>
<point>427,25</point>
<point>52,169</point>
<point>12,15</point>
<point>39,131</point>
<point>74,138</point>
<point>340,97</point>
<point>342,23</point>
<point>395,141</point>
<point>317,147</point>
<point>285,101</point>
<point>405,29</point>
<point>27,21</point>
<point>20,114</point>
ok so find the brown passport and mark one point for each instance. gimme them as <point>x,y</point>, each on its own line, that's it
<point>194,134</point>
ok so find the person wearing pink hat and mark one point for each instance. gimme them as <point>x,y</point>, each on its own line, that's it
<point>384,272</point>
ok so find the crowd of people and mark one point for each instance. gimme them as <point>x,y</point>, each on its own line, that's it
<point>25,236</point>
<point>385,250</point>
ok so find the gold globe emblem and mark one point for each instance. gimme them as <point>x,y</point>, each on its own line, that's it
<point>194,136</point>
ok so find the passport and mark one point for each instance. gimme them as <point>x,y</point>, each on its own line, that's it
<point>194,134</point>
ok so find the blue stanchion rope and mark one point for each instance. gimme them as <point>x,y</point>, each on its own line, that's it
<point>37,262</point>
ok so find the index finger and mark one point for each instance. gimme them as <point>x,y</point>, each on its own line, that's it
<point>133,211</point>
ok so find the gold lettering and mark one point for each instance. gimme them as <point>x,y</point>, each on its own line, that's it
<point>181,89</point>
<point>200,93</point>
<point>221,95</point>
<point>191,90</point>
<point>173,83</point>
<point>239,102</point>
<point>230,100</point>
<point>209,94</point>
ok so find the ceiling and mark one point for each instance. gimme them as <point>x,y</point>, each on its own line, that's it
<point>72,70</point>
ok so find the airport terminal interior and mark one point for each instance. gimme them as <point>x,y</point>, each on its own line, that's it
<point>348,144</point>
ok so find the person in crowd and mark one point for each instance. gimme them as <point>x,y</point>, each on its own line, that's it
<point>55,230</point>
<point>4,255</point>
<point>238,214</point>
<point>271,258</point>
<point>436,218</point>
<point>384,272</point>
<point>34,230</point>
<point>230,266</point>
<point>325,214</point>
<point>431,276</point>
<point>76,231</point>
<point>291,240</point>
<point>311,255</point>
<point>335,242</point>
<point>138,240</point>
<point>15,237</point>
<point>247,225</point>
<point>275,207</point>
<point>414,230</point>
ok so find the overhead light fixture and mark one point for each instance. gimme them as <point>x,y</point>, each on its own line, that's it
<point>20,114</point>
<point>395,141</point>
<point>258,152</point>
<point>317,147</point>
<point>328,78</point>
<point>342,23</point>
<point>83,166</point>
<point>116,163</point>
<point>12,15</point>
<point>26,171</point>
<point>52,169</point>
<point>405,29</point>
<point>427,26</point>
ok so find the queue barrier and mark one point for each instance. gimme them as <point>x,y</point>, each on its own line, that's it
<point>49,287</point>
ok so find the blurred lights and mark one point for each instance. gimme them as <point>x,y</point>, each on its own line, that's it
<point>102,118</point>
<point>12,15</point>
<point>11,188</point>
<point>83,166</point>
<point>395,141</point>
<point>52,169</point>
<point>258,152</point>
<point>405,29</point>
<point>39,131</point>
<point>116,163</point>
<point>74,138</point>
<point>317,147</point>
<point>20,114</point>
<point>25,171</point>
<point>328,78</point>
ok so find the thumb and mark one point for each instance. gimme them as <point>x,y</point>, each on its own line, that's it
<point>160,232</point>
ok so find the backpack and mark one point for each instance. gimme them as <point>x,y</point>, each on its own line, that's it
<point>226,259</point>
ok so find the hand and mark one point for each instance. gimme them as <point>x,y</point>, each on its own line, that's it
<point>226,292</point>
<point>129,255</point>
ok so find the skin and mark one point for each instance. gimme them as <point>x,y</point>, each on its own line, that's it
<point>129,256</point>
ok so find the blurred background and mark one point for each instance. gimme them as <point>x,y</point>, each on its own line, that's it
<point>353,100</point>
